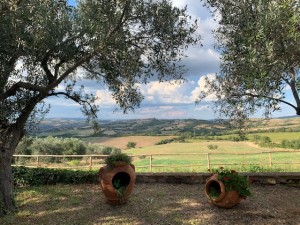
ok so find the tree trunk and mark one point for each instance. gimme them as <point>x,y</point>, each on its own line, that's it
<point>9,140</point>
<point>10,136</point>
<point>7,203</point>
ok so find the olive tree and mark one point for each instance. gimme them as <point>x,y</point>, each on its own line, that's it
<point>117,43</point>
<point>260,57</point>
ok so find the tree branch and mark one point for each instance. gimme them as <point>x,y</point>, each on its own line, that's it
<point>45,67</point>
<point>75,99</point>
<point>56,68</point>
<point>121,21</point>
<point>293,87</point>
<point>90,55</point>
<point>15,87</point>
<point>70,70</point>
<point>267,97</point>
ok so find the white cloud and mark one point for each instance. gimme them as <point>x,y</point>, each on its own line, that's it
<point>202,87</point>
<point>164,112</point>
<point>105,98</point>
<point>167,92</point>
<point>203,108</point>
<point>60,87</point>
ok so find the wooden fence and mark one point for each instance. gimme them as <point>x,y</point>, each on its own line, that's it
<point>206,160</point>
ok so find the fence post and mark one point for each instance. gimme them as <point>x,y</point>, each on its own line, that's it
<point>270,160</point>
<point>91,163</point>
<point>150,165</point>
<point>208,161</point>
<point>37,161</point>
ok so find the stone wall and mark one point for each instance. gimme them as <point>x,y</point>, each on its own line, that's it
<point>291,179</point>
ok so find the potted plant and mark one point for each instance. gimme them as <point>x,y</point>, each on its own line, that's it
<point>117,178</point>
<point>226,188</point>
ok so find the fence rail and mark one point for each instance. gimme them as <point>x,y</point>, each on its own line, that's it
<point>153,162</point>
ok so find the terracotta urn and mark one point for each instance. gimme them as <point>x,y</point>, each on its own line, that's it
<point>216,193</point>
<point>117,182</point>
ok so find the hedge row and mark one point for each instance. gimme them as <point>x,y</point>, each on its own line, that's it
<point>24,176</point>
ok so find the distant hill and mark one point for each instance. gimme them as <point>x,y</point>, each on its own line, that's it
<point>76,127</point>
<point>151,126</point>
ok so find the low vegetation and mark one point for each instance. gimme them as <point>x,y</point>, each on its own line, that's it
<point>24,177</point>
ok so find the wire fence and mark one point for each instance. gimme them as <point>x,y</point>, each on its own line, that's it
<point>183,162</point>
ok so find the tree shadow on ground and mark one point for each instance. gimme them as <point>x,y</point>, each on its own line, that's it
<point>151,204</point>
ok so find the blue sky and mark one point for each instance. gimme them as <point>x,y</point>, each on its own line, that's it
<point>165,100</point>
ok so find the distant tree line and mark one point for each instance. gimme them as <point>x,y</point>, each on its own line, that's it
<point>265,141</point>
<point>61,146</point>
<point>180,139</point>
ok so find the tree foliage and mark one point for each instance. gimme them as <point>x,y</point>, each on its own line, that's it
<point>58,146</point>
<point>61,146</point>
<point>117,43</point>
<point>260,55</point>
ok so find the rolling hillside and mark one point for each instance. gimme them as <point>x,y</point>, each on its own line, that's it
<point>60,127</point>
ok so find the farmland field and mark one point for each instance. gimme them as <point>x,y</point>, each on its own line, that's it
<point>121,142</point>
<point>202,154</point>
<point>228,152</point>
<point>193,155</point>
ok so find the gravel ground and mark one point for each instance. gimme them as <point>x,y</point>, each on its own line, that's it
<point>153,204</point>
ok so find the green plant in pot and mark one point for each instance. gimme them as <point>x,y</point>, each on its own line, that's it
<point>118,159</point>
<point>117,178</point>
<point>226,188</point>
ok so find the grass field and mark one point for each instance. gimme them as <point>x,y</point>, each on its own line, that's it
<point>193,156</point>
<point>181,155</point>
<point>228,152</point>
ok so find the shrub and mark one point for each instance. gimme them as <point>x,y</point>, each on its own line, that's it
<point>107,150</point>
<point>212,147</point>
<point>171,140</point>
<point>23,147</point>
<point>94,149</point>
<point>131,144</point>
<point>293,144</point>
<point>116,151</point>
<point>24,176</point>
<point>57,146</point>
